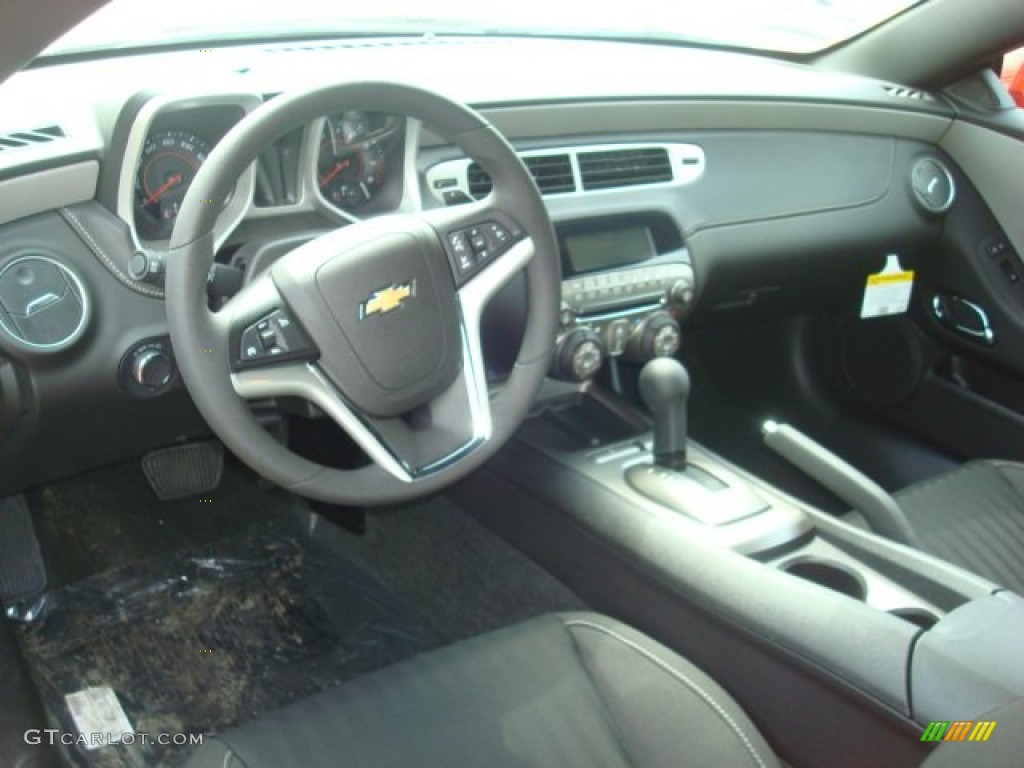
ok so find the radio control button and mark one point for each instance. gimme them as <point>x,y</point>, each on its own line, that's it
<point>616,335</point>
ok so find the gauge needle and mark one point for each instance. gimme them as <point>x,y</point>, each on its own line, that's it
<point>172,181</point>
<point>340,166</point>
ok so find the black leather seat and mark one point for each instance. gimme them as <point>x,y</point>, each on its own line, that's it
<point>559,690</point>
<point>562,690</point>
<point>973,517</point>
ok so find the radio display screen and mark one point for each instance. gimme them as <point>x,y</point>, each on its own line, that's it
<point>608,249</point>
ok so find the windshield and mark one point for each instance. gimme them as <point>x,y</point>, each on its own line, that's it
<point>789,26</point>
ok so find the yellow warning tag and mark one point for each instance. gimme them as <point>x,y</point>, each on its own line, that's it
<point>888,292</point>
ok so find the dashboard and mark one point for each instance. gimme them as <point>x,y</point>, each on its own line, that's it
<point>687,188</point>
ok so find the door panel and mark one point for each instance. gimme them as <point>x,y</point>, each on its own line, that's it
<point>970,398</point>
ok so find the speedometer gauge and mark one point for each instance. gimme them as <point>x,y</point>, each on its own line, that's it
<point>350,168</point>
<point>169,163</point>
<point>350,178</point>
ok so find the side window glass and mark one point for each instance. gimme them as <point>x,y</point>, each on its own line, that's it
<point>1013,75</point>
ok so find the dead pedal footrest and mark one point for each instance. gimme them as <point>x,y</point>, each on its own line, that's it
<point>184,470</point>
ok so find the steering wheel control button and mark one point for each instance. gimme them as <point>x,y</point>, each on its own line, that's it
<point>474,247</point>
<point>498,234</point>
<point>272,339</point>
<point>148,369</point>
<point>476,240</point>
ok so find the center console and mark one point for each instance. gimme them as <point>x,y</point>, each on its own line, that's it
<point>764,591</point>
<point>627,281</point>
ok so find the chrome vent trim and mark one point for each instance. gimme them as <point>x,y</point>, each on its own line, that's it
<point>30,137</point>
<point>584,170</point>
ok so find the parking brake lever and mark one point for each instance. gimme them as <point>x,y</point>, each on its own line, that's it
<point>855,488</point>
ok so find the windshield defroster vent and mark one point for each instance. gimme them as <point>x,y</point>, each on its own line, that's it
<point>552,173</point>
<point>624,167</point>
<point>30,137</point>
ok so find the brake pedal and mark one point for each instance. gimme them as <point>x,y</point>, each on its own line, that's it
<point>184,470</point>
<point>22,573</point>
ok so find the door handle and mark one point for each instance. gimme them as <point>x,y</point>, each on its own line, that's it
<point>964,317</point>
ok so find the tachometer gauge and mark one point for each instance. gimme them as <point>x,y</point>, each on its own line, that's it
<point>169,163</point>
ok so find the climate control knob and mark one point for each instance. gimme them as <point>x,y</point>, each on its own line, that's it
<point>579,356</point>
<point>658,337</point>
<point>681,292</point>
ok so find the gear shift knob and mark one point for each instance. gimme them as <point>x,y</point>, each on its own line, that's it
<point>664,387</point>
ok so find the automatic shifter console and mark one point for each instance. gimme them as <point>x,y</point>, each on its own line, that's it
<point>703,492</point>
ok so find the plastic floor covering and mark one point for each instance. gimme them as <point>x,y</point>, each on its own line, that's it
<point>223,632</point>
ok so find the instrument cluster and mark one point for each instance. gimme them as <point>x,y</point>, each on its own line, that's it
<point>344,163</point>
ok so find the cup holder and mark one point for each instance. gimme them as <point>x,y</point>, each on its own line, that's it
<point>831,575</point>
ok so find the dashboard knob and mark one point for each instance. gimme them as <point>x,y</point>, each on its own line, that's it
<point>579,356</point>
<point>151,368</point>
<point>659,336</point>
<point>681,292</point>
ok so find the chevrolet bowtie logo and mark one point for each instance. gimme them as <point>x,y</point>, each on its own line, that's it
<point>387,299</point>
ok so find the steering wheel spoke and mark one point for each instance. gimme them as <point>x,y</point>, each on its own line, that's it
<point>306,381</point>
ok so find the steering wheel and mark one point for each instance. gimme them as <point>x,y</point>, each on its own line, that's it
<point>377,322</point>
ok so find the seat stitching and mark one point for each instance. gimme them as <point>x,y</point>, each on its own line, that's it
<point>680,677</point>
<point>605,710</point>
<point>95,247</point>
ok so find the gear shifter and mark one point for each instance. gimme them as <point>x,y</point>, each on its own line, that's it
<point>664,387</point>
<point>701,490</point>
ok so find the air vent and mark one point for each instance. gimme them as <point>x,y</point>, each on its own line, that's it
<point>552,173</point>
<point>576,171</point>
<point>902,92</point>
<point>31,137</point>
<point>624,168</point>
